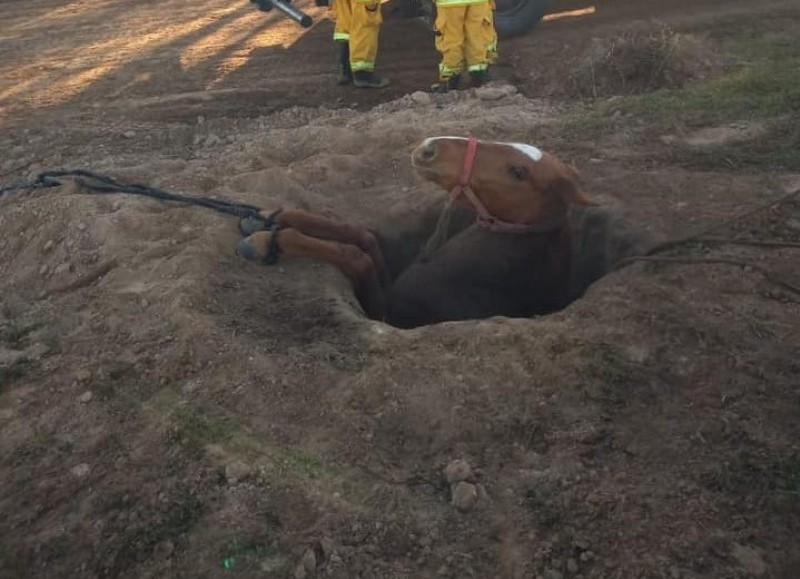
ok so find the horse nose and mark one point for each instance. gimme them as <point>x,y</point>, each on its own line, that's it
<point>426,153</point>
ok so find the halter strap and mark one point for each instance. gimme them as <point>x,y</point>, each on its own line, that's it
<point>486,219</point>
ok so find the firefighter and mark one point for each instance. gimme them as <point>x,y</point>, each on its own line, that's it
<point>466,39</point>
<point>356,36</point>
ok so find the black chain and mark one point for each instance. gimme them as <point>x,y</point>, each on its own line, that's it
<point>97,183</point>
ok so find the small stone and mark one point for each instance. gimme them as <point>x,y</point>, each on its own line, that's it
<point>749,560</point>
<point>83,376</point>
<point>310,561</point>
<point>637,353</point>
<point>552,574</point>
<point>421,98</point>
<point>43,270</point>
<point>572,566</point>
<point>129,134</point>
<point>494,93</point>
<point>145,303</point>
<point>86,397</point>
<point>81,470</point>
<point>236,472</point>
<point>62,269</point>
<point>587,556</point>
<point>465,496</point>
<point>48,245</point>
<point>164,549</point>
<point>81,227</point>
<point>457,471</point>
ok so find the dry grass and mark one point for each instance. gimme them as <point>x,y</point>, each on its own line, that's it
<point>641,58</point>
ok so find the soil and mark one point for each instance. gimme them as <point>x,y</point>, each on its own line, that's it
<point>168,410</point>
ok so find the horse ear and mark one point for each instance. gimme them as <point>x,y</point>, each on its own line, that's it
<point>579,197</point>
<point>568,189</point>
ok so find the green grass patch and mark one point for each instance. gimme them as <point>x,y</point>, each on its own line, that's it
<point>14,371</point>
<point>14,336</point>
<point>762,85</point>
<point>194,429</point>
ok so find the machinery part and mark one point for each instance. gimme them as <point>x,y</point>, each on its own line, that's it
<point>298,16</point>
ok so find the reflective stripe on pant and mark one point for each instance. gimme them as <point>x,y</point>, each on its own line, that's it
<point>464,35</point>
<point>343,14</point>
<point>359,22</point>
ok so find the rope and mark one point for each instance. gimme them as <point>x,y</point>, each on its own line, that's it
<point>98,183</point>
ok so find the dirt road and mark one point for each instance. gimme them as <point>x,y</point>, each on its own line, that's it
<point>95,60</point>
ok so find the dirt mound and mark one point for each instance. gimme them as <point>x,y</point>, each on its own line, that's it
<point>170,410</point>
<point>643,57</point>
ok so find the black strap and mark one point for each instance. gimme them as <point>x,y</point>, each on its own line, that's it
<point>273,252</point>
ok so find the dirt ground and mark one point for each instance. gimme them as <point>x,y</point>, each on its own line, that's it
<point>168,410</point>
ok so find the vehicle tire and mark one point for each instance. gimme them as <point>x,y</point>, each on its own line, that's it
<point>512,17</point>
<point>517,17</point>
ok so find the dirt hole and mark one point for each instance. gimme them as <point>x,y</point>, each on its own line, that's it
<point>601,238</point>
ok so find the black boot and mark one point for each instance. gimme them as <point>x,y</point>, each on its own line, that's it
<point>479,78</point>
<point>452,83</point>
<point>344,75</point>
<point>368,79</point>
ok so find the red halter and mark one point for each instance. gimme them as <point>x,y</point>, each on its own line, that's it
<point>486,219</point>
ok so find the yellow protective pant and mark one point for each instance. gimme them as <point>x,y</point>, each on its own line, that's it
<point>358,23</point>
<point>465,37</point>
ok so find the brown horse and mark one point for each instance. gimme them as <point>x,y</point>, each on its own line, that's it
<point>513,261</point>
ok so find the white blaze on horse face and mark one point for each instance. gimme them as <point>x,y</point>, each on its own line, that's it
<point>529,150</point>
<point>533,153</point>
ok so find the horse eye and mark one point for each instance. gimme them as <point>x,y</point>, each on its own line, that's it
<point>518,173</point>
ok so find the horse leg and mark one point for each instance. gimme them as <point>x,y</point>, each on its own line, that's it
<point>351,260</point>
<point>333,230</point>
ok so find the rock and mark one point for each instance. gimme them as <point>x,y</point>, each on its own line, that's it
<point>48,245</point>
<point>164,549</point>
<point>236,472</point>
<point>81,470</point>
<point>43,270</point>
<point>129,134</point>
<point>749,560</point>
<point>86,397</point>
<point>572,566</point>
<point>494,93</point>
<point>62,269</point>
<point>637,353</point>
<point>465,496</point>
<point>421,98</point>
<point>273,564</point>
<point>81,227</point>
<point>310,562</point>
<point>83,376</point>
<point>587,556</point>
<point>457,471</point>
